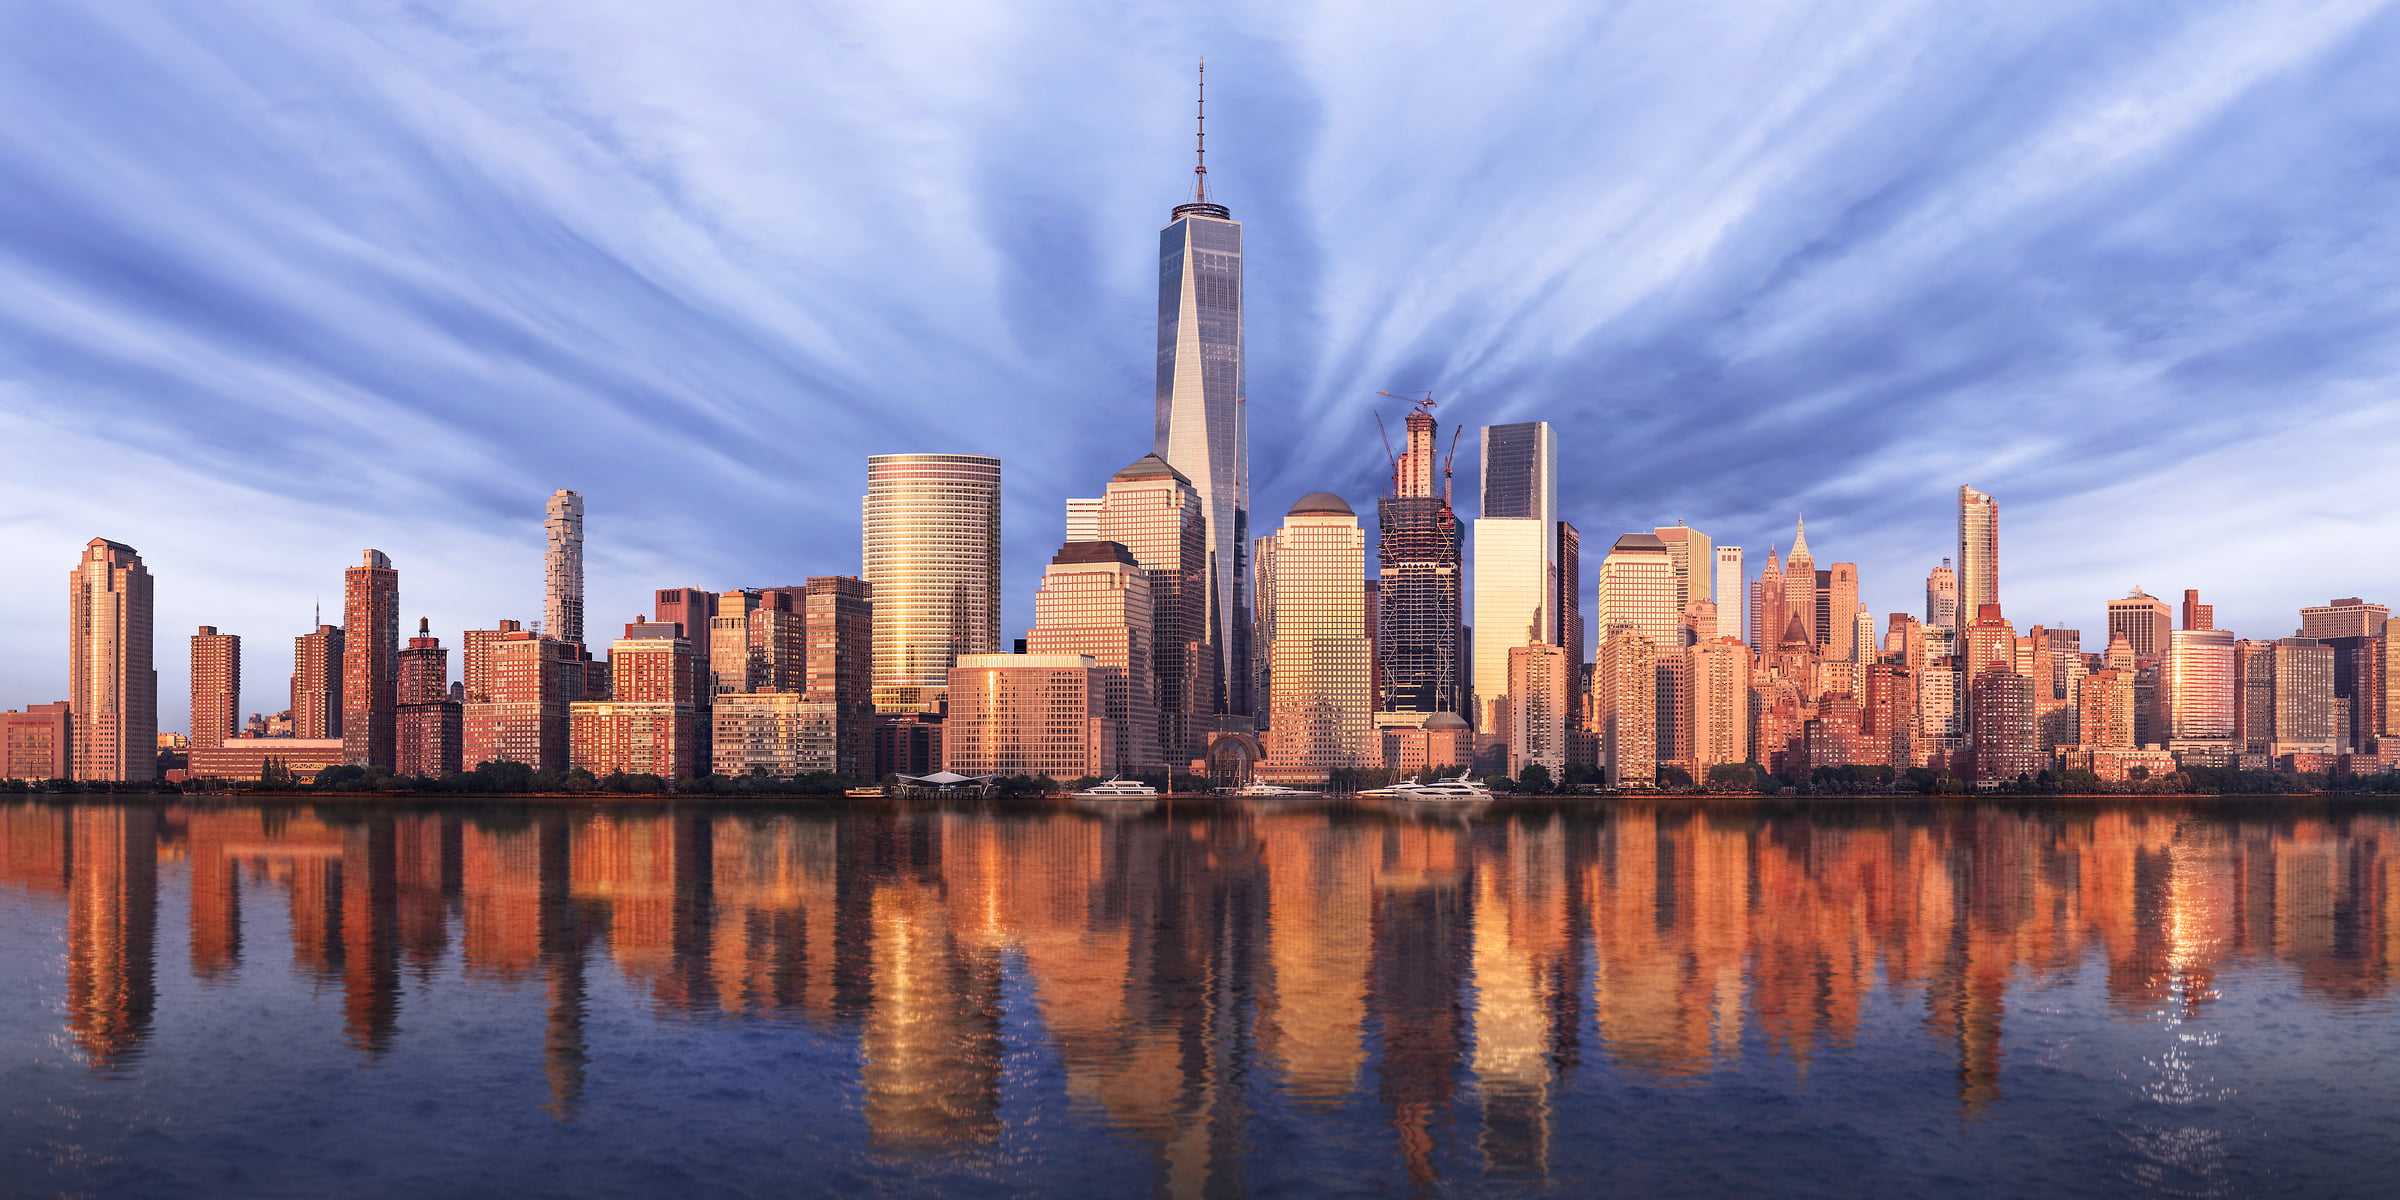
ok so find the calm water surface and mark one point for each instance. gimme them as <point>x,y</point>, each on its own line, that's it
<point>203,999</point>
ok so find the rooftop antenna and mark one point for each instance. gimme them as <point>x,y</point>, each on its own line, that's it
<point>1200,170</point>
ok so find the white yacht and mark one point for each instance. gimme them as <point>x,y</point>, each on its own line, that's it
<point>1273,792</point>
<point>1119,789</point>
<point>1456,788</point>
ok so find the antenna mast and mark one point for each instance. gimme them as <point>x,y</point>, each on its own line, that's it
<point>1200,170</point>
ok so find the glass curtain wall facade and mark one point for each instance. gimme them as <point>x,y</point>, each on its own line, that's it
<point>1155,513</point>
<point>1201,424</point>
<point>1417,626</point>
<point>1323,698</point>
<point>932,560</point>
<point>1516,559</point>
<point>1978,553</point>
<point>562,567</point>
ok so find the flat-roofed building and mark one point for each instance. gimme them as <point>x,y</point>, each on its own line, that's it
<point>2145,621</point>
<point>1539,677</point>
<point>2346,617</point>
<point>37,744</point>
<point>216,686</point>
<point>775,733</point>
<point>2000,722</point>
<point>649,726</point>
<point>245,759</point>
<point>1624,707</point>
<point>1026,714</point>
<point>1321,675</point>
<point>525,719</point>
<point>2199,684</point>
<point>110,682</point>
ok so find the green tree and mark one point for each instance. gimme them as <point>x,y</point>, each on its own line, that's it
<point>1673,776</point>
<point>1534,779</point>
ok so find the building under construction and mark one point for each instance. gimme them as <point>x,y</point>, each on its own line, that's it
<point>1418,635</point>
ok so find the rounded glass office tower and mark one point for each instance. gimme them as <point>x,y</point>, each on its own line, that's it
<point>932,542</point>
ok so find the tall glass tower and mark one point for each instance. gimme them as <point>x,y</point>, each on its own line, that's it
<point>1201,428</point>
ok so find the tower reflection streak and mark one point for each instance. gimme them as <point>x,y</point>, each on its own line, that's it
<point>1186,964</point>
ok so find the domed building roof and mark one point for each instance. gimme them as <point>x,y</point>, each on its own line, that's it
<point>1322,504</point>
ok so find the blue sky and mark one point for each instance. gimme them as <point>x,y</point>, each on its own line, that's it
<point>303,279</point>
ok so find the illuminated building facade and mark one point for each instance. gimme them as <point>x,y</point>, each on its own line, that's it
<point>2104,711</point>
<point>1624,707</point>
<point>839,628</point>
<point>429,728</point>
<point>216,686</point>
<point>1637,591</point>
<point>524,718</point>
<point>1095,602</point>
<point>932,556</point>
<point>2145,621</point>
<point>2348,617</point>
<point>1156,514</point>
<point>1202,421</point>
<point>1941,596</point>
<point>1418,614</point>
<point>1729,592</point>
<point>1978,552</point>
<point>36,745</point>
<point>2000,720</point>
<point>562,567</point>
<point>1026,714</point>
<point>2200,692</point>
<point>1540,677</point>
<point>1516,560</point>
<point>112,688</point>
<point>649,725</point>
<point>1719,698</point>
<point>1321,668</point>
<point>317,683</point>
<point>371,662</point>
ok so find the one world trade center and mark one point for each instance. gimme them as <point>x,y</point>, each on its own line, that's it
<point>1202,429</point>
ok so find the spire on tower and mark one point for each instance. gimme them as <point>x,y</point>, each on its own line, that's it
<point>1200,170</point>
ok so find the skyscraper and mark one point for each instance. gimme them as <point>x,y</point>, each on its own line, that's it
<point>691,608</point>
<point>1322,704</point>
<point>840,632</point>
<point>111,686</point>
<point>317,683</point>
<point>2145,621</point>
<point>1418,612</point>
<point>1539,679</point>
<point>429,731</point>
<point>1155,513</point>
<point>562,568</point>
<point>370,662</point>
<point>1978,552</point>
<point>1729,592</point>
<point>216,686</point>
<point>1201,424</point>
<point>1625,707</point>
<point>932,556</point>
<point>1941,596</point>
<point>2195,614</point>
<point>2199,683</point>
<point>1637,591</point>
<point>1693,557</point>
<point>1840,603</point>
<point>1516,559</point>
<point>648,725</point>
<point>2349,617</point>
<point>1800,589</point>
<point>1095,601</point>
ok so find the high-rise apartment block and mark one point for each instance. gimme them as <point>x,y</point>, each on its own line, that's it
<point>776,658</point>
<point>1941,596</point>
<point>1026,714</point>
<point>523,714</point>
<point>649,725</point>
<point>1202,422</point>
<point>2145,621</point>
<point>1322,705</point>
<point>371,662</point>
<point>317,683</point>
<point>774,733</point>
<point>1693,557</point>
<point>1540,677</point>
<point>1978,552</point>
<point>2000,721</point>
<point>839,612</point>
<point>1516,561</point>
<point>562,567</point>
<point>932,555</point>
<point>2304,702</point>
<point>429,730</point>
<point>2195,614</point>
<point>1095,602</point>
<point>216,686</point>
<point>112,689</point>
<point>1156,514</point>
<point>692,608</point>
<point>1624,708</point>
<point>1719,697</point>
<point>1839,604</point>
<point>2105,711</point>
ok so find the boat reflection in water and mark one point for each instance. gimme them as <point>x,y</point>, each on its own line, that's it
<point>1216,986</point>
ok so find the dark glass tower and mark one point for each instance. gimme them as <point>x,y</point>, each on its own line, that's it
<point>1201,429</point>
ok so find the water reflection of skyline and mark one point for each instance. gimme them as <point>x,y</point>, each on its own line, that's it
<point>1453,974</point>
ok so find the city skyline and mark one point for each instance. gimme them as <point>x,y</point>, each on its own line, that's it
<point>463,526</point>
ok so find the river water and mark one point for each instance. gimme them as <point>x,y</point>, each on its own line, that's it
<point>203,998</point>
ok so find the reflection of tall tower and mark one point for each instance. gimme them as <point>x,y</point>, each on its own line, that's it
<point>1202,427</point>
<point>1421,952</point>
<point>932,1036</point>
<point>370,960</point>
<point>564,1055</point>
<point>112,931</point>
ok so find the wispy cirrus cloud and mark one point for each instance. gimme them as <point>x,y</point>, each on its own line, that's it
<point>299,280</point>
